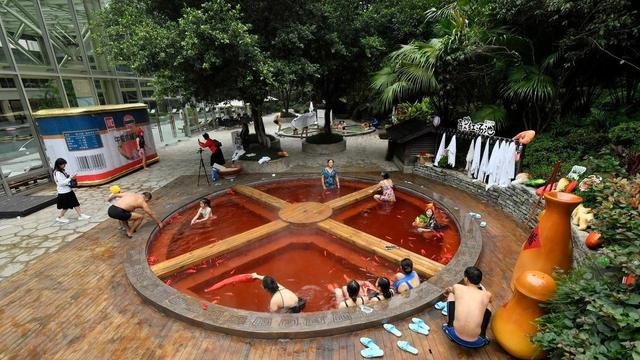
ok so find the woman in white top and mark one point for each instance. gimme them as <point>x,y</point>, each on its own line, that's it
<point>66,197</point>
<point>204,213</point>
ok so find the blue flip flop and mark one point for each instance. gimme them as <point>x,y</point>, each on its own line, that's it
<point>370,353</point>
<point>418,329</point>
<point>404,345</point>
<point>392,329</point>
<point>421,324</point>
<point>445,312</point>
<point>440,305</point>
<point>368,343</point>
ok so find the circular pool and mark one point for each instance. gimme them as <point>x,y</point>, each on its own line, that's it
<point>309,240</point>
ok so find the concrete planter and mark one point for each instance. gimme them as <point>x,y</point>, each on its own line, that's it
<point>324,149</point>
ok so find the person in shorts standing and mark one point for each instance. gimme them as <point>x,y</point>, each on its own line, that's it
<point>140,146</point>
<point>66,197</point>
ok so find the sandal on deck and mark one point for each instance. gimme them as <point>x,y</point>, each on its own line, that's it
<point>404,345</point>
<point>440,305</point>
<point>392,329</point>
<point>370,353</point>
<point>418,329</point>
<point>420,323</point>
<point>368,343</point>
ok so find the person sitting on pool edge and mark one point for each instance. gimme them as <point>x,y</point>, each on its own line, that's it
<point>353,299</point>
<point>467,310</point>
<point>282,299</point>
<point>408,279</point>
<point>427,221</point>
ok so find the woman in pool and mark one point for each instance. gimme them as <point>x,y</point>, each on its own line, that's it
<point>282,299</point>
<point>330,177</point>
<point>354,299</point>
<point>204,213</point>
<point>387,189</point>
<point>426,221</point>
<point>381,291</point>
<point>408,279</point>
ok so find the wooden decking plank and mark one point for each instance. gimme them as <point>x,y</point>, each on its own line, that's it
<point>260,196</point>
<point>186,260</point>
<point>353,197</point>
<point>424,266</point>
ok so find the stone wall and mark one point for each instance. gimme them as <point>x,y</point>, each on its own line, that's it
<point>515,200</point>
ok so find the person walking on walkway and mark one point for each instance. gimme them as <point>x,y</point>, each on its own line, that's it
<point>66,197</point>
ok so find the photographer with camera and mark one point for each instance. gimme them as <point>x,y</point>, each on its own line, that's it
<point>215,147</point>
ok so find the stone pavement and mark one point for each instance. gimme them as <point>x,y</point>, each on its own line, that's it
<point>23,240</point>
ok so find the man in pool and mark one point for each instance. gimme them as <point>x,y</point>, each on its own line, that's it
<point>467,308</point>
<point>124,206</point>
<point>282,299</point>
<point>408,279</point>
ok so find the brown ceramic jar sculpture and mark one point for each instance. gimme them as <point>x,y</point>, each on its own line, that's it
<point>549,246</point>
<point>513,324</point>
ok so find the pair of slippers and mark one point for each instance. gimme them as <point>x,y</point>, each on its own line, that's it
<point>373,350</point>
<point>442,305</point>
<point>417,325</point>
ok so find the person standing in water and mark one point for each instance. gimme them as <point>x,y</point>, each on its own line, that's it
<point>387,189</point>
<point>282,299</point>
<point>66,197</point>
<point>330,178</point>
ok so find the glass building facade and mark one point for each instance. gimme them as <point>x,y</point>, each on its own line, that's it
<point>47,60</point>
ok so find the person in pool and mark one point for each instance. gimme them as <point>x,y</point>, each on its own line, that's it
<point>353,296</point>
<point>204,213</point>
<point>387,189</point>
<point>330,178</point>
<point>468,312</point>
<point>381,291</point>
<point>407,279</point>
<point>427,220</point>
<point>282,299</point>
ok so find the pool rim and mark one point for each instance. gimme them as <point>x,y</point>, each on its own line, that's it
<point>305,325</point>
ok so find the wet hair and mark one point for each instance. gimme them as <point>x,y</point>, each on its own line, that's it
<point>353,289</point>
<point>206,202</point>
<point>385,287</point>
<point>270,284</point>
<point>385,175</point>
<point>473,274</point>
<point>147,195</point>
<point>57,165</point>
<point>205,136</point>
<point>406,265</point>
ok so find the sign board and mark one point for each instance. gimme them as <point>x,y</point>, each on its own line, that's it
<point>83,140</point>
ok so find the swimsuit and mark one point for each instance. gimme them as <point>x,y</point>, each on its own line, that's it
<point>405,280</point>
<point>451,333</point>
<point>329,177</point>
<point>119,213</point>
<point>387,193</point>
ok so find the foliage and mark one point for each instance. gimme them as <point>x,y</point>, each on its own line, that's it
<point>443,163</point>
<point>544,152</point>
<point>606,322</point>
<point>324,138</point>
<point>626,134</point>
<point>421,110</point>
<point>495,113</point>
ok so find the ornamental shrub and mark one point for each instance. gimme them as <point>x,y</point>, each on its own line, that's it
<point>593,315</point>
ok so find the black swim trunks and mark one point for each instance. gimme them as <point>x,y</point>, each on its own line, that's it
<point>118,213</point>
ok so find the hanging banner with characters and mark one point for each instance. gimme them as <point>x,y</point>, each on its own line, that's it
<point>100,143</point>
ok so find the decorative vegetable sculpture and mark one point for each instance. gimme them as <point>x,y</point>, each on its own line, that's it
<point>513,324</point>
<point>549,245</point>
<point>525,137</point>
<point>582,217</point>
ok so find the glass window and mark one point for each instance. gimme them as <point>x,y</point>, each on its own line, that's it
<point>106,90</point>
<point>63,36</point>
<point>43,93</point>
<point>7,83</point>
<point>130,97</point>
<point>18,147</point>
<point>24,35</point>
<point>79,92</point>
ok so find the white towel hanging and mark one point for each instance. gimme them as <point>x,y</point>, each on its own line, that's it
<point>469,157</point>
<point>451,152</point>
<point>440,152</point>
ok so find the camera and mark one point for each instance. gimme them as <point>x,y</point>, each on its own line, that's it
<point>200,150</point>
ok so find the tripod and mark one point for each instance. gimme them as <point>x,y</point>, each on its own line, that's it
<point>202,169</point>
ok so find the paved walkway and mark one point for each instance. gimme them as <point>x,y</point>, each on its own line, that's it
<point>23,240</point>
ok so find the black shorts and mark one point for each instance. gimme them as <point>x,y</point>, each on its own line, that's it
<point>118,213</point>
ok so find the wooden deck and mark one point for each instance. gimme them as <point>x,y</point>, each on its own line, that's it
<point>76,303</point>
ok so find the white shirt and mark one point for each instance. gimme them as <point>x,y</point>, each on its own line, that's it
<point>62,182</point>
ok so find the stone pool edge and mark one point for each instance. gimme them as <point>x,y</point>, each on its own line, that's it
<point>294,326</point>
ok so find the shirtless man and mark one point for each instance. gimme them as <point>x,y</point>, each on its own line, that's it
<point>124,206</point>
<point>468,315</point>
<point>282,299</point>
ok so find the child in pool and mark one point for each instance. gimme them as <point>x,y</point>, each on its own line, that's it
<point>387,189</point>
<point>426,221</point>
<point>204,213</point>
